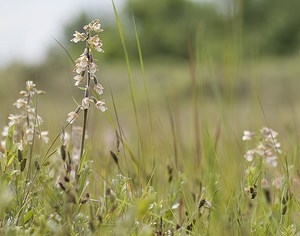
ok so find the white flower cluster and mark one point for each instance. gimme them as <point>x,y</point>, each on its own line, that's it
<point>267,146</point>
<point>27,122</point>
<point>86,69</point>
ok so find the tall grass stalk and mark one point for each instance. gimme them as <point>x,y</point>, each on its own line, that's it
<point>132,92</point>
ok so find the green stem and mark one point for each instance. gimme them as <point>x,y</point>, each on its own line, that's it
<point>83,131</point>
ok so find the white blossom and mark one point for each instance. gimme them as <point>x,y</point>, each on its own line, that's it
<point>72,117</point>
<point>78,37</point>
<point>93,68</point>
<point>98,89</point>
<point>100,106</point>
<point>44,136</point>
<point>86,103</point>
<point>247,135</point>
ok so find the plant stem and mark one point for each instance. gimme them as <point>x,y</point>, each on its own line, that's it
<point>83,131</point>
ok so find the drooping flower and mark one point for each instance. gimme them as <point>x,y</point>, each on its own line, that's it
<point>101,106</point>
<point>15,119</point>
<point>249,155</point>
<point>21,102</point>
<point>29,135</point>
<point>78,37</point>
<point>72,117</point>
<point>93,68</point>
<point>98,89</point>
<point>30,85</point>
<point>44,136</point>
<point>79,79</point>
<point>86,103</point>
<point>247,135</point>
<point>94,41</point>
<point>94,26</point>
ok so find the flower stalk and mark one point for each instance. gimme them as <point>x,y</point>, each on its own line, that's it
<point>86,69</point>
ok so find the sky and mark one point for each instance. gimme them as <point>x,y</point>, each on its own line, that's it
<point>27,27</point>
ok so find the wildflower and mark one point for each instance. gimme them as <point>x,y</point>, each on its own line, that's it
<point>249,155</point>
<point>5,131</point>
<point>248,135</point>
<point>175,206</point>
<point>93,68</point>
<point>81,64</point>
<point>267,148</point>
<point>29,135</point>
<point>94,41</point>
<point>78,37</point>
<point>44,136</point>
<point>98,89</point>
<point>268,133</point>
<point>100,106</point>
<point>94,26</point>
<point>30,85</point>
<point>78,79</point>
<point>86,103</point>
<point>14,119</point>
<point>98,48</point>
<point>72,117</point>
<point>21,102</point>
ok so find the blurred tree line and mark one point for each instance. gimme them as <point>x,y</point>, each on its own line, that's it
<point>165,27</point>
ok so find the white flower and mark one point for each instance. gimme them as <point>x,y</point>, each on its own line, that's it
<point>44,136</point>
<point>268,133</point>
<point>30,85</point>
<point>175,206</point>
<point>72,117</point>
<point>20,103</point>
<point>5,131</point>
<point>94,25</point>
<point>82,61</point>
<point>93,68</point>
<point>94,41</point>
<point>29,134</point>
<point>98,88</point>
<point>20,145</point>
<point>98,48</point>
<point>14,119</point>
<point>249,155</point>
<point>100,106</point>
<point>247,135</point>
<point>78,37</point>
<point>78,79</point>
<point>81,64</point>
<point>85,103</point>
<point>271,160</point>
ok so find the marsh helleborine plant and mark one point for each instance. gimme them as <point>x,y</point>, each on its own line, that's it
<point>85,69</point>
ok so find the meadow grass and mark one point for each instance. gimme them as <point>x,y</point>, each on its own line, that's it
<point>167,158</point>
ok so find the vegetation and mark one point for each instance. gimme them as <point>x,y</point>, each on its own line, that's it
<point>181,148</point>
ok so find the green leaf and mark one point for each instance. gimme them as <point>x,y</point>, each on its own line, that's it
<point>81,163</point>
<point>9,144</point>
<point>28,216</point>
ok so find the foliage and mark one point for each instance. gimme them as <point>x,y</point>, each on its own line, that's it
<point>167,26</point>
<point>173,176</point>
<point>273,25</point>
